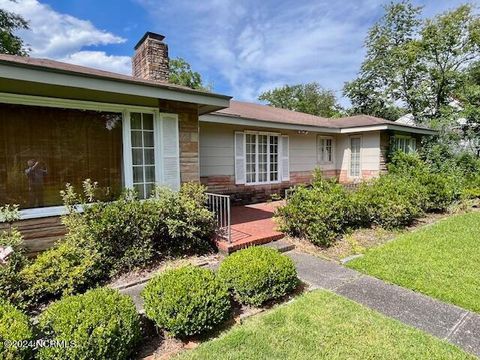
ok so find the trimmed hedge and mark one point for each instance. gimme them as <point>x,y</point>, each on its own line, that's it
<point>100,324</point>
<point>258,274</point>
<point>321,214</point>
<point>14,326</point>
<point>186,301</point>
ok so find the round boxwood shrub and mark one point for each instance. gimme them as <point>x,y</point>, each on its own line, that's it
<point>258,274</point>
<point>14,326</point>
<point>186,301</point>
<point>100,324</point>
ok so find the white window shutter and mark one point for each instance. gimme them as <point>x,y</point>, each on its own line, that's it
<point>285,158</point>
<point>170,151</point>
<point>239,157</point>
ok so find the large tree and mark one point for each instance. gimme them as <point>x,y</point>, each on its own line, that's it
<point>181,73</point>
<point>413,65</point>
<point>9,42</point>
<point>308,98</point>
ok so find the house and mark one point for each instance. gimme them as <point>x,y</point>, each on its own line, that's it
<point>62,123</point>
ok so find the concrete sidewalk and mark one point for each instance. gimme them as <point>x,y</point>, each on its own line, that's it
<point>449,322</point>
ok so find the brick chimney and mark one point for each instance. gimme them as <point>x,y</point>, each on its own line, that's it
<point>150,60</point>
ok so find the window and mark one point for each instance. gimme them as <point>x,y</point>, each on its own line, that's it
<point>355,147</point>
<point>325,150</point>
<point>406,144</point>
<point>143,153</point>
<point>42,149</point>
<point>261,158</point>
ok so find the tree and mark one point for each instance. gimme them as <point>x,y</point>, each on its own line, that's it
<point>308,98</point>
<point>181,73</point>
<point>414,64</point>
<point>10,43</point>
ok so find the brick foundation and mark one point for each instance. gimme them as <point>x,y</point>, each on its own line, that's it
<point>247,194</point>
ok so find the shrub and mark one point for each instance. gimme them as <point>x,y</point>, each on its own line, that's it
<point>11,282</point>
<point>129,232</point>
<point>258,274</point>
<point>69,267</point>
<point>321,214</point>
<point>441,189</point>
<point>389,201</point>
<point>100,324</point>
<point>186,301</point>
<point>14,326</point>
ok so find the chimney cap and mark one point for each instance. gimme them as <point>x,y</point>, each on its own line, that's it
<point>151,35</point>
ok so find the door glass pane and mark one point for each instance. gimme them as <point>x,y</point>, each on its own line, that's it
<point>149,173</point>
<point>136,138</point>
<point>136,120</point>
<point>149,157</point>
<point>138,174</point>
<point>251,140</point>
<point>148,138</point>
<point>147,121</point>
<point>137,156</point>
<point>42,149</point>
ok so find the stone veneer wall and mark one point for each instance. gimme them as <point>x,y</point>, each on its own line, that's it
<point>189,140</point>
<point>150,60</point>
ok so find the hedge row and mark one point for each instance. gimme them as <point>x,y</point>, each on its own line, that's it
<point>104,324</point>
<point>107,239</point>
<point>326,211</point>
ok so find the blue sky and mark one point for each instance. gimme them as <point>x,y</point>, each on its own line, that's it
<point>241,47</point>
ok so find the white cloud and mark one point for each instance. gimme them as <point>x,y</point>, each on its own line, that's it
<point>255,46</point>
<point>100,60</point>
<point>63,37</point>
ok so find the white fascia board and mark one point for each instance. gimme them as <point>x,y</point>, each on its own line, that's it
<point>387,127</point>
<point>107,85</point>
<point>31,100</point>
<point>232,120</point>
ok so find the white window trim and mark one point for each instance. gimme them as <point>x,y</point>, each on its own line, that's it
<point>406,137</point>
<point>279,173</point>
<point>125,110</point>
<point>323,162</point>
<point>127,147</point>
<point>350,157</point>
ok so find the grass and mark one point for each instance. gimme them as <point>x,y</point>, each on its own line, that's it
<point>441,261</point>
<point>322,325</point>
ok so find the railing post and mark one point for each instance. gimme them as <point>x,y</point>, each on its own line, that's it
<point>220,206</point>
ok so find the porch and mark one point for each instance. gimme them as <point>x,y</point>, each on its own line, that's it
<point>251,225</point>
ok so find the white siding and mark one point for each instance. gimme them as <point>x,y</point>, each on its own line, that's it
<point>217,150</point>
<point>370,151</point>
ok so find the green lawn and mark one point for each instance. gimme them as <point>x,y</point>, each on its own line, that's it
<point>322,325</point>
<point>442,261</point>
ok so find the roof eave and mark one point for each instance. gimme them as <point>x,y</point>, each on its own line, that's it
<point>38,74</point>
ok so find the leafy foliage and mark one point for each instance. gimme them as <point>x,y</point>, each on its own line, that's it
<point>11,283</point>
<point>321,214</point>
<point>68,268</point>
<point>14,326</point>
<point>308,98</point>
<point>9,42</point>
<point>100,324</point>
<point>186,301</point>
<point>181,73</point>
<point>419,65</point>
<point>257,274</point>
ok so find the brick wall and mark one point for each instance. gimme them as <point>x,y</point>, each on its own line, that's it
<point>243,194</point>
<point>150,60</point>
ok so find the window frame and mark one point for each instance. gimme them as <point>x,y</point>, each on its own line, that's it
<point>350,175</point>
<point>332,150</point>
<point>268,154</point>
<point>124,110</point>
<point>411,141</point>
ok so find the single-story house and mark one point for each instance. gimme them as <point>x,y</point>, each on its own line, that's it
<point>62,123</point>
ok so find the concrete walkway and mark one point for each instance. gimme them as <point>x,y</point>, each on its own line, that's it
<point>451,323</point>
